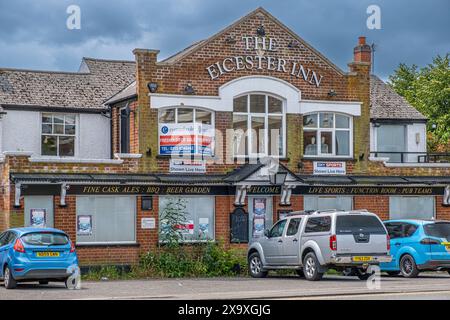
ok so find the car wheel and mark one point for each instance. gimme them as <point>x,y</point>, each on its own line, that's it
<point>255,266</point>
<point>311,267</point>
<point>408,267</point>
<point>300,273</point>
<point>8,279</point>
<point>43,282</point>
<point>393,273</point>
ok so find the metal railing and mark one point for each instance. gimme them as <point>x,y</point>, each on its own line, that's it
<point>412,157</point>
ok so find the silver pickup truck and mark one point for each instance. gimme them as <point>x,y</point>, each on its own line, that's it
<point>313,242</point>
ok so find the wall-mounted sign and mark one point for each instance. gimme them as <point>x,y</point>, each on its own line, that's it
<point>187,166</point>
<point>38,218</point>
<point>238,226</point>
<point>369,191</point>
<point>185,138</point>
<point>148,223</point>
<point>84,225</point>
<point>259,61</point>
<point>329,167</point>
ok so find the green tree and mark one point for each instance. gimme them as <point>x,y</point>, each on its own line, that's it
<point>428,90</point>
<point>172,216</point>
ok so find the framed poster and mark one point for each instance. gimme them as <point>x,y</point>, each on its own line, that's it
<point>259,206</point>
<point>84,225</point>
<point>259,223</point>
<point>38,218</point>
<point>203,227</point>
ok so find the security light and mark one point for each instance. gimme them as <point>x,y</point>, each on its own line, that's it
<point>152,87</point>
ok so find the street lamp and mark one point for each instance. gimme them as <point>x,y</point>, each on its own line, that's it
<point>279,177</point>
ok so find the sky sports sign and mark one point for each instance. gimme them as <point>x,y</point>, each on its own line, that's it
<point>329,167</point>
<point>186,138</point>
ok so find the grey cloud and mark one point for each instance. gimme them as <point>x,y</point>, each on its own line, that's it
<point>33,33</point>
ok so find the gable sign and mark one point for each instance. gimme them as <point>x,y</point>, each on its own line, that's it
<point>261,62</point>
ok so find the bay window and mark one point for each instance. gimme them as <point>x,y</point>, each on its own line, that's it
<point>327,134</point>
<point>259,125</point>
<point>58,133</point>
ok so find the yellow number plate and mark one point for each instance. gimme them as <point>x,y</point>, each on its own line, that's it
<point>47,254</point>
<point>361,259</point>
<point>447,245</point>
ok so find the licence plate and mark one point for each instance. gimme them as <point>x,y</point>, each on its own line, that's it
<point>361,258</point>
<point>47,254</point>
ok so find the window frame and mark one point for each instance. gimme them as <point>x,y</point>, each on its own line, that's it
<point>411,196</point>
<point>120,130</point>
<point>275,225</point>
<point>194,117</point>
<point>213,224</point>
<point>76,135</point>
<point>90,243</point>
<point>266,116</point>
<point>318,232</point>
<point>333,130</point>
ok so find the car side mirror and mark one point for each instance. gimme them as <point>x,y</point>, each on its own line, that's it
<point>266,233</point>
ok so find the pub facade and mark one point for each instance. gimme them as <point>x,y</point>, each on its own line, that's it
<point>239,129</point>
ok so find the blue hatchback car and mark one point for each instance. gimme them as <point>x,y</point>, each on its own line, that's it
<point>36,254</point>
<point>418,245</point>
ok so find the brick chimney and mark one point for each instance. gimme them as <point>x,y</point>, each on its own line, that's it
<point>362,52</point>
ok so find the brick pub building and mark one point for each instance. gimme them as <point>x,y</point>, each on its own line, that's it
<point>93,152</point>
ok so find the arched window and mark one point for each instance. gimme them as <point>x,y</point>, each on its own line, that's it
<point>259,126</point>
<point>185,130</point>
<point>327,134</point>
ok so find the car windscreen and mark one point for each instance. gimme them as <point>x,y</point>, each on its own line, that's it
<point>45,239</point>
<point>438,230</point>
<point>349,224</point>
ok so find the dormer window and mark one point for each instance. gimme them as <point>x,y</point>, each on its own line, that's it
<point>58,135</point>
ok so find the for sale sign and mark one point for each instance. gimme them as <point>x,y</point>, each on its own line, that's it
<point>185,138</point>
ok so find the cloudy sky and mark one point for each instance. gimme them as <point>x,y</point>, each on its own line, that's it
<point>33,34</point>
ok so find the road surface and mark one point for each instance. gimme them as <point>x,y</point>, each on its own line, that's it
<point>427,286</point>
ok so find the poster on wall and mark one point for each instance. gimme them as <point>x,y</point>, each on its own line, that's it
<point>84,225</point>
<point>185,138</point>
<point>203,227</point>
<point>38,217</point>
<point>259,206</point>
<point>186,228</point>
<point>259,224</point>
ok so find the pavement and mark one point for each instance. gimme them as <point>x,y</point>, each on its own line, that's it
<point>434,286</point>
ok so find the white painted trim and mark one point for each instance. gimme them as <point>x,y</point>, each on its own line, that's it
<point>127,155</point>
<point>350,108</point>
<point>18,153</point>
<point>417,165</point>
<point>75,160</point>
<point>231,89</point>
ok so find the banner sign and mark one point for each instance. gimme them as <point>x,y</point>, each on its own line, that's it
<point>187,166</point>
<point>329,167</point>
<point>368,191</point>
<point>185,138</point>
<point>259,216</point>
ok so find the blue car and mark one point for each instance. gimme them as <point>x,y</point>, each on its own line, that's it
<point>418,245</point>
<point>36,254</point>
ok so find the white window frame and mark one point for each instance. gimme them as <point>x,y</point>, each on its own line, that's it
<point>120,129</point>
<point>108,242</point>
<point>333,132</point>
<point>189,196</point>
<point>76,135</point>
<point>213,124</point>
<point>266,116</point>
